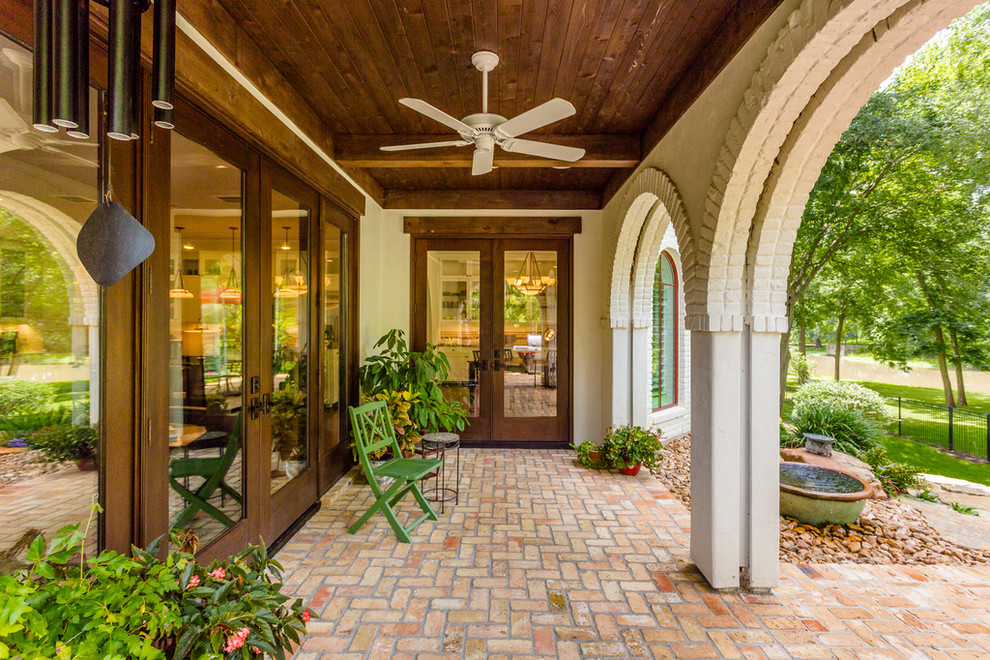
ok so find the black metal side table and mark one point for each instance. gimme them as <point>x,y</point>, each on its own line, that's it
<point>438,445</point>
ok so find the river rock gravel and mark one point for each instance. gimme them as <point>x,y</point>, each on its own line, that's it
<point>21,465</point>
<point>888,531</point>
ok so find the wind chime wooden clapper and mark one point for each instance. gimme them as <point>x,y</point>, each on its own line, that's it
<point>112,242</point>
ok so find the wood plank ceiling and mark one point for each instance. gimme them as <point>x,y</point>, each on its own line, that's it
<point>630,67</point>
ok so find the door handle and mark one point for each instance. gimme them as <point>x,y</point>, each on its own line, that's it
<point>496,365</point>
<point>262,406</point>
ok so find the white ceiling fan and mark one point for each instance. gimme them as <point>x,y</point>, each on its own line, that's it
<point>486,129</point>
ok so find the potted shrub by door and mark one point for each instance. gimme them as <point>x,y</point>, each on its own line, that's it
<point>632,447</point>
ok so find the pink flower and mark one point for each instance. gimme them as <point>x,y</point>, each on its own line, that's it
<point>306,616</point>
<point>193,582</point>
<point>218,573</point>
<point>236,640</point>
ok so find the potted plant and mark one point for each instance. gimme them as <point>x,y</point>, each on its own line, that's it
<point>65,442</point>
<point>145,607</point>
<point>630,447</point>
<point>288,406</point>
<point>397,369</point>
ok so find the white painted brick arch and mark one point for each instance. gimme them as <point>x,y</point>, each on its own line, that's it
<point>651,201</point>
<point>812,138</point>
<point>819,34</point>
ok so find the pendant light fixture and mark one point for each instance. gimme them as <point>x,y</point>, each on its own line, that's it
<point>285,243</point>
<point>231,293</point>
<point>177,290</point>
<point>284,287</point>
<point>529,280</point>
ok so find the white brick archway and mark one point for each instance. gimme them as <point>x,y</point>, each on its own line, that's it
<point>821,68</point>
<point>652,206</point>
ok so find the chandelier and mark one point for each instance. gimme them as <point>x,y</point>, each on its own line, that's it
<point>178,290</point>
<point>529,280</point>
<point>230,294</point>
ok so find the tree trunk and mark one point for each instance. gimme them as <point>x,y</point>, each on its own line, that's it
<point>818,342</point>
<point>838,343</point>
<point>957,358</point>
<point>943,366</point>
<point>785,362</point>
<point>802,341</point>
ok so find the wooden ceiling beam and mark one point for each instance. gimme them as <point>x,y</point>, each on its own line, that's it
<point>601,151</point>
<point>564,200</point>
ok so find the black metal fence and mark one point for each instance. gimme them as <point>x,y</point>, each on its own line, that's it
<point>943,426</point>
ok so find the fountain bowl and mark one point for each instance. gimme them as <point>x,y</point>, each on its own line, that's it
<point>819,496</point>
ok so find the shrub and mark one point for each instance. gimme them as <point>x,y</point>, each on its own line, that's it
<point>20,396</point>
<point>116,606</point>
<point>24,424</point>
<point>397,369</point>
<point>65,442</point>
<point>628,445</point>
<point>895,477</point>
<point>801,367</point>
<point>852,431</point>
<point>844,394</point>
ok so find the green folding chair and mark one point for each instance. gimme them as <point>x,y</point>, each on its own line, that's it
<point>213,471</point>
<point>372,427</point>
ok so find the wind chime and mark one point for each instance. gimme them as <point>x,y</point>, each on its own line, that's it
<point>112,242</point>
<point>61,66</point>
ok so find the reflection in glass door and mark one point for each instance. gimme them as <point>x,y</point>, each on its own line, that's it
<point>206,461</point>
<point>290,340</point>
<point>529,334</point>
<point>453,311</point>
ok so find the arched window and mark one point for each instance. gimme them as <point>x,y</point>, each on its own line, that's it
<point>664,333</point>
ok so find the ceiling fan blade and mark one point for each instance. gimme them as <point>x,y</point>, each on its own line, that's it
<point>543,114</point>
<point>482,162</point>
<point>543,150</point>
<point>437,114</point>
<point>426,145</point>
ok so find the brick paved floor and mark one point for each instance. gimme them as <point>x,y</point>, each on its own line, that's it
<point>542,558</point>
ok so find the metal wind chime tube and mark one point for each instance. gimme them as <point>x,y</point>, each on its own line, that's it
<point>65,29</point>
<point>122,62</point>
<point>81,100</point>
<point>163,73</point>
<point>136,92</point>
<point>42,118</point>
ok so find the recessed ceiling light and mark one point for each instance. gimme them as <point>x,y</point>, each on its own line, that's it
<point>561,167</point>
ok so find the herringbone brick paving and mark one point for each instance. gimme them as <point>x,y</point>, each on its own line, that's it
<point>542,558</point>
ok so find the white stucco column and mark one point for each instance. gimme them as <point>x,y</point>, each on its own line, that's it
<point>641,368</point>
<point>716,455</point>
<point>761,475</point>
<point>621,395</point>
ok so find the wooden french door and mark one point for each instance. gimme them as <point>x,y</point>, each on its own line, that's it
<point>287,400</point>
<point>500,310</point>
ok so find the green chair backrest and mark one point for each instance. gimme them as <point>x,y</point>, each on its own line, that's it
<point>372,427</point>
<point>233,446</point>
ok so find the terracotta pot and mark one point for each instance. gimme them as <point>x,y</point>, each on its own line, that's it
<point>631,470</point>
<point>86,464</point>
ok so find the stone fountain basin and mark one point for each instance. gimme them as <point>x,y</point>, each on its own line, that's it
<point>819,496</point>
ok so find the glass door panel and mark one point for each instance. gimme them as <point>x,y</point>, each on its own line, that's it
<point>289,358</point>
<point>205,346</point>
<point>453,322</point>
<point>529,334</point>
<point>333,334</point>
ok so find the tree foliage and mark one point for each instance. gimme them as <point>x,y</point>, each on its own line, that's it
<point>895,236</point>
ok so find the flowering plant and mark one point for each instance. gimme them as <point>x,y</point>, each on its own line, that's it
<point>115,606</point>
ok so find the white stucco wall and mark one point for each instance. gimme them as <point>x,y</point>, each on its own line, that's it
<point>384,281</point>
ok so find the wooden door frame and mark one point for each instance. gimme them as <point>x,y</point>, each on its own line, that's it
<point>517,427</point>
<point>205,131</point>
<point>335,461</point>
<point>301,492</point>
<point>499,231</point>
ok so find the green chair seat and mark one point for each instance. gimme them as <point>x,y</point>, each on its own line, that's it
<point>373,430</point>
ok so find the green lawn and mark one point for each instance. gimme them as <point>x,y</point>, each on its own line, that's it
<point>978,402</point>
<point>933,461</point>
